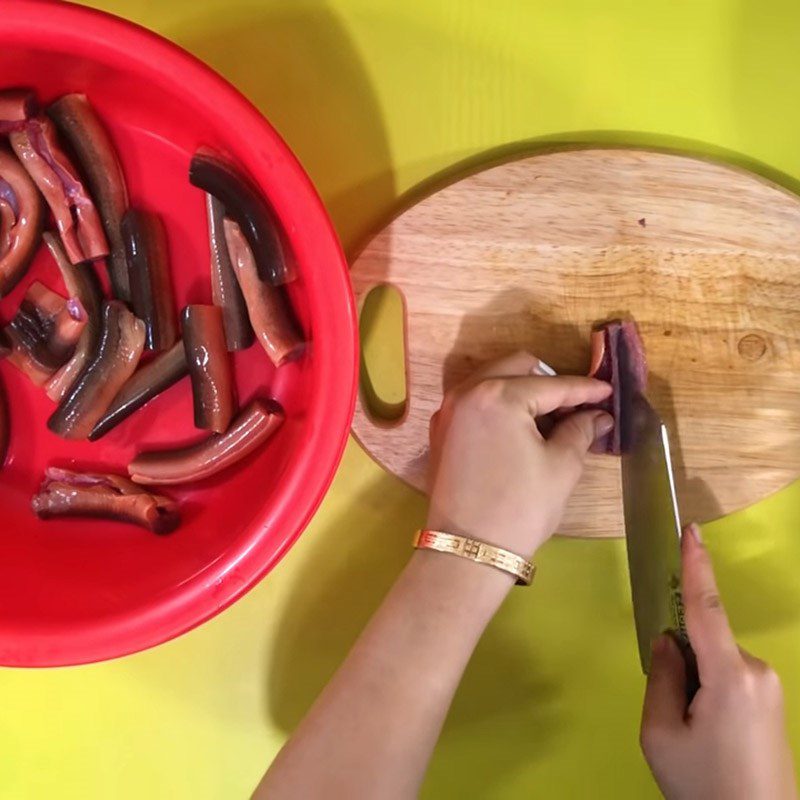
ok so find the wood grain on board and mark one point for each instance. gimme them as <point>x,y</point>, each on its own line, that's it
<point>531,253</point>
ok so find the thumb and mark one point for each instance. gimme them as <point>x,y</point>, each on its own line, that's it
<point>571,438</point>
<point>665,697</point>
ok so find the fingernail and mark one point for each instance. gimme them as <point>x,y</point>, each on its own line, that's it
<point>694,531</point>
<point>603,425</point>
<point>544,369</point>
<point>662,644</point>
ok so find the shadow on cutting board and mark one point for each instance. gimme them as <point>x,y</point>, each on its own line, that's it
<point>514,319</point>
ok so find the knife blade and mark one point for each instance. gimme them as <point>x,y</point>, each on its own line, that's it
<point>652,529</point>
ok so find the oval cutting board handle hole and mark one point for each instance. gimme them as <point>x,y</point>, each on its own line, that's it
<point>382,326</point>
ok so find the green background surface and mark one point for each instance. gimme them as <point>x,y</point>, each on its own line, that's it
<point>375,97</point>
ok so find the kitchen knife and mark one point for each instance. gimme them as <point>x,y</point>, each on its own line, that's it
<point>652,528</point>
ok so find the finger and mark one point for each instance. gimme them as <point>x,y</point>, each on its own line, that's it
<point>572,438</point>
<point>706,621</point>
<point>665,696</point>
<point>543,395</point>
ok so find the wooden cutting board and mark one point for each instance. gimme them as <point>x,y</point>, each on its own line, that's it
<point>529,254</point>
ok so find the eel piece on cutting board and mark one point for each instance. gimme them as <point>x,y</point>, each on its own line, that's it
<point>627,373</point>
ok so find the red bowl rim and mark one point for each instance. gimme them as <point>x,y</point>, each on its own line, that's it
<point>221,583</point>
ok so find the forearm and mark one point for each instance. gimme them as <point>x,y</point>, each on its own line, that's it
<point>373,729</point>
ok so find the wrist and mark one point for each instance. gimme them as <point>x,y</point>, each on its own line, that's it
<point>476,590</point>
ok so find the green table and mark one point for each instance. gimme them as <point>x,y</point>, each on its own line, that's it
<point>374,97</point>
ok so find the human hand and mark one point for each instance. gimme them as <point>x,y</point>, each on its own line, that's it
<point>730,742</point>
<point>493,475</point>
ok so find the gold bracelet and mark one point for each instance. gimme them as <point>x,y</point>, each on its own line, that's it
<point>477,551</point>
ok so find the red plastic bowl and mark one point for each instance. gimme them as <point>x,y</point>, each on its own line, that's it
<point>80,591</point>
